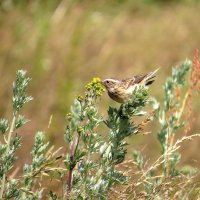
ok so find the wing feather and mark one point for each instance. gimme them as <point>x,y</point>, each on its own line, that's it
<point>132,81</point>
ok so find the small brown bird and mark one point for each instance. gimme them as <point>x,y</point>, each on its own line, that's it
<point>121,90</point>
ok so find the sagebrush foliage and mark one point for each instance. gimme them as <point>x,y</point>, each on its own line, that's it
<point>89,169</point>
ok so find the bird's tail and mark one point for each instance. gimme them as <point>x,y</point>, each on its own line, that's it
<point>149,77</point>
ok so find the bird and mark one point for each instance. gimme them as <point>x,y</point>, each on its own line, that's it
<point>121,91</point>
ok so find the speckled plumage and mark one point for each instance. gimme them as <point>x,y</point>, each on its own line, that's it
<point>121,90</point>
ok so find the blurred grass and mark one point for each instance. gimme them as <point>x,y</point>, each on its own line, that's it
<point>63,44</point>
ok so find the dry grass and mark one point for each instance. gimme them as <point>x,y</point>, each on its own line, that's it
<point>168,188</point>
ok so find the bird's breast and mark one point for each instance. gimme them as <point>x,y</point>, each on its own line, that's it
<point>115,97</point>
<point>119,96</point>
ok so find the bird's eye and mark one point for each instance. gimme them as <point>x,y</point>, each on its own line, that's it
<point>107,81</point>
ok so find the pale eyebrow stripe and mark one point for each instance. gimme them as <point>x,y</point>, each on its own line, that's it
<point>112,80</point>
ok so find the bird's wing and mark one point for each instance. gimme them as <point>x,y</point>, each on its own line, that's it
<point>132,81</point>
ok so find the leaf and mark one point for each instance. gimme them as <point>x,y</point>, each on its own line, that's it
<point>20,121</point>
<point>4,126</point>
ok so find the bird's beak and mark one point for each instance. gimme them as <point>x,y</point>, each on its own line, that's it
<point>102,83</point>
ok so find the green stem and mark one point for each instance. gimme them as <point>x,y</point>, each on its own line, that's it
<point>88,159</point>
<point>183,105</point>
<point>72,153</point>
<point>89,152</point>
<point>165,154</point>
<point>7,150</point>
<point>168,142</point>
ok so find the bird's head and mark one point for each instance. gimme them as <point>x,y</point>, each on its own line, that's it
<point>109,84</point>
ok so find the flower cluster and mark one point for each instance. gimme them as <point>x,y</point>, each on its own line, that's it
<point>95,87</point>
<point>69,116</point>
<point>79,98</point>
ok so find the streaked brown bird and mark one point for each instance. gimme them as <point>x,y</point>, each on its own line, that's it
<point>121,91</point>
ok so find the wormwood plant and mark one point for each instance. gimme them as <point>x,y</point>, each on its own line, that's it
<point>12,142</point>
<point>92,167</point>
<point>93,158</point>
<point>165,179</point>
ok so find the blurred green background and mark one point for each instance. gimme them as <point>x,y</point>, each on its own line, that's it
<point>64,43</point>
